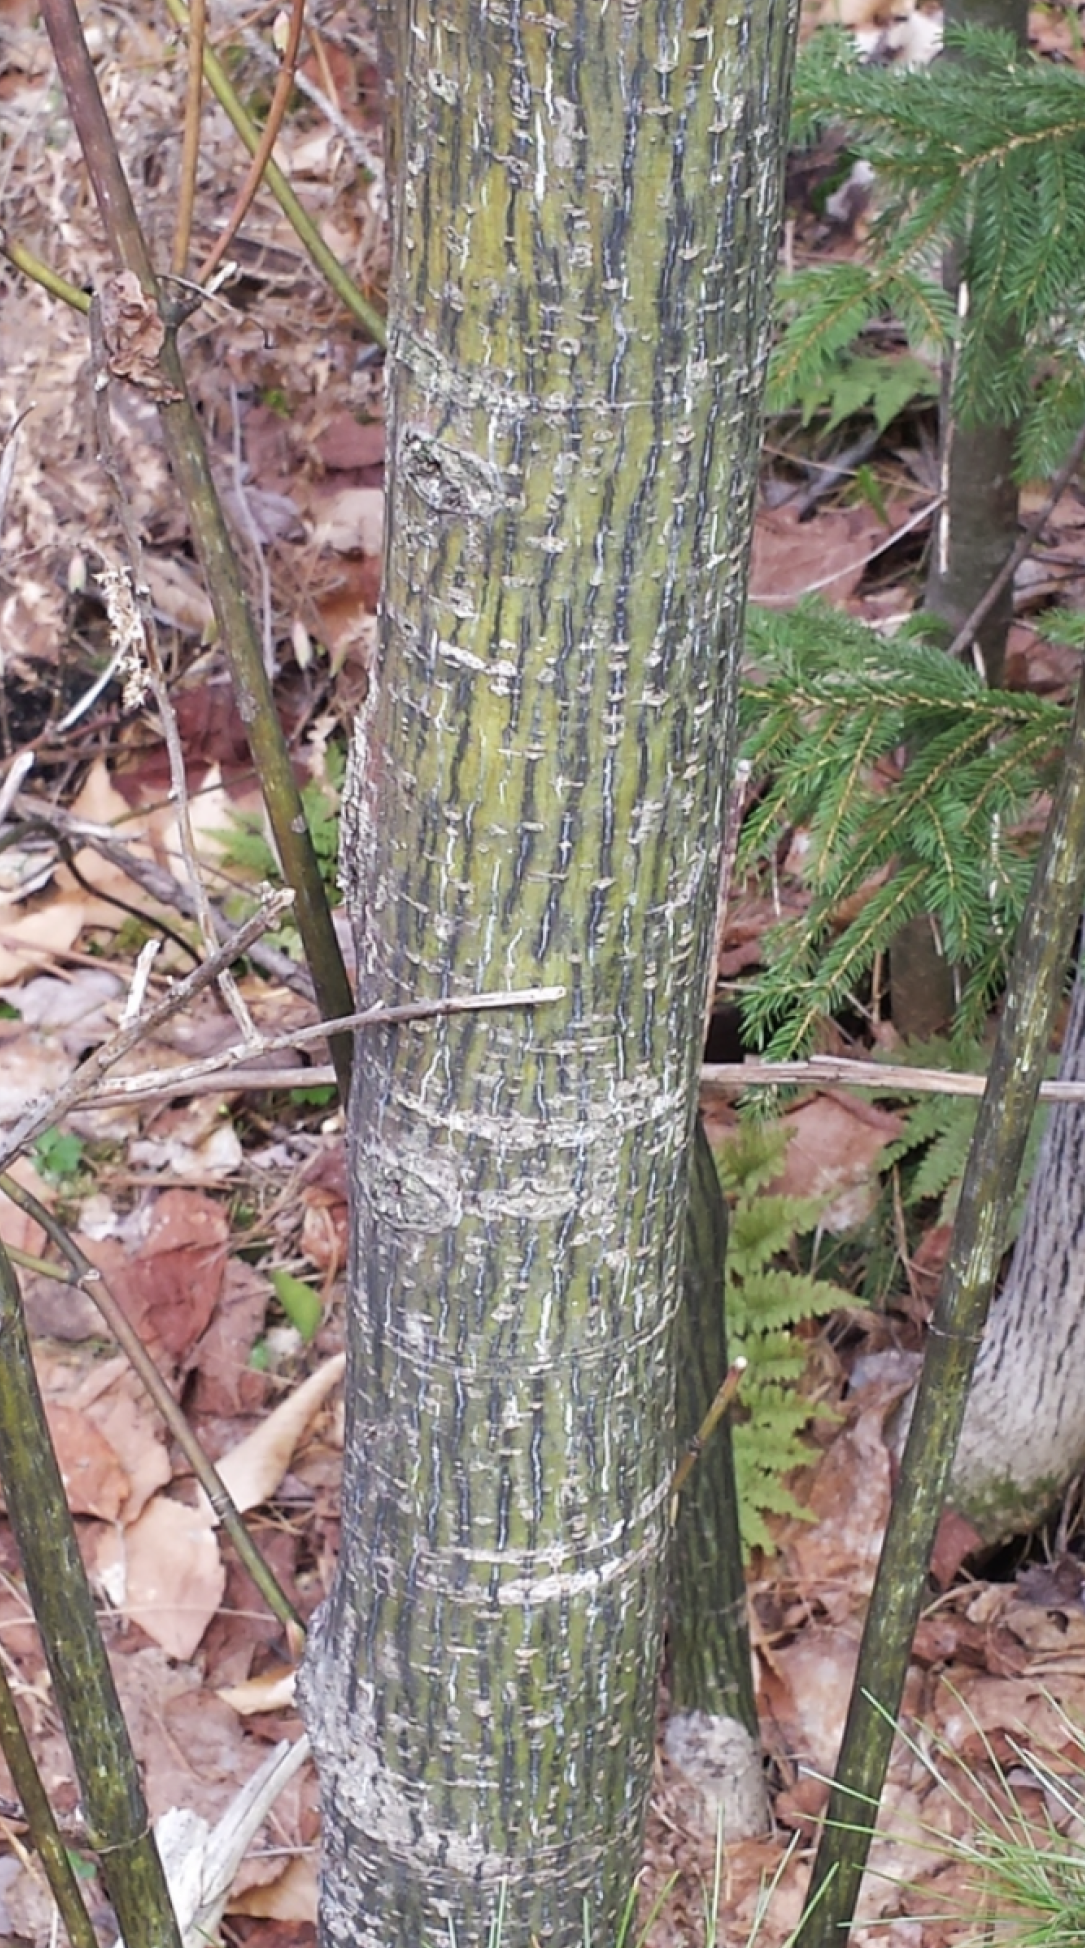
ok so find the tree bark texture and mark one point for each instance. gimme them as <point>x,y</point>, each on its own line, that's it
<point>977,528</point>
<point>975,533</point>
<point>585,229</point>
<point>712,1732</point>
<point>1023,1437</point>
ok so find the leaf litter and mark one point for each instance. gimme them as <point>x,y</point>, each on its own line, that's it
<point>188,1205</point>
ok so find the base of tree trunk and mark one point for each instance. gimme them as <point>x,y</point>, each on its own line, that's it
<point>1023,1438</point>
<point>720,1764</point>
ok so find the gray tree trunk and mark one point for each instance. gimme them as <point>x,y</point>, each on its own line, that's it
<point>1023,1438</point>
<point>975,534</point>
<point>584,221</point>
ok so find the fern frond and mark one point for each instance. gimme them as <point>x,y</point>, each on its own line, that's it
<point>761,1227</point>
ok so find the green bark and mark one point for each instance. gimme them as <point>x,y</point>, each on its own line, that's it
<point>585,234</point>
<point>712,1734</point>
<point>707,1631</point>
<point>114,1808</point>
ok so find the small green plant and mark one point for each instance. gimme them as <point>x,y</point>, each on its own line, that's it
<point>934,1143</point>
<point>1025,1874</point>
<point>766,1299</point>
<point>59,1156</point>
<point>245,848</point>
<point>301,1304</point>
<point>853,385</point>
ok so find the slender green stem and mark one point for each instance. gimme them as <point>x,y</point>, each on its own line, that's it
<point>90,1280</point>
<point>56,1582</point>
<point>41,273</point>
<point>1035,987</point>
<point>191,469</point>
<point>41,1823</point>
<point>302,224</point>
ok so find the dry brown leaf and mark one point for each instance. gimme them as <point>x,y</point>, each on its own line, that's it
<point>165,1573</point>
<point>808,1692</point>
<point>271,1691</point>
<point>178,596</point>
<point>849,1497</point>
<point>94,1481</point>
<point>254,1468</point>
<point>44,933</point>
<point>293,1897</point>
<point>134,335</point>
<point>114,1399</point>
<point>980,1716</point>
<point>225,1381</point>
<point>193,1750</point>
<point>193,1140</point>
<point>347,443</point>
<point>827,555</point>
<point>169,1291</point>
<point>833,1153</point>
<point>349,520</point>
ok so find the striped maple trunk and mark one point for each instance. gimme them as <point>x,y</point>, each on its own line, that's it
<point>585,225</point>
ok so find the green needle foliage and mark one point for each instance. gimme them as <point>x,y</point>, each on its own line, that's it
<point>827,707</point>
<point>969,154</point>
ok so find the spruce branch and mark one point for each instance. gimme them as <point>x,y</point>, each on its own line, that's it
<point>826,707</point>
<point>1035,986</point>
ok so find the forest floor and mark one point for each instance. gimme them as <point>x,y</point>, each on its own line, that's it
<point>218,1213</point>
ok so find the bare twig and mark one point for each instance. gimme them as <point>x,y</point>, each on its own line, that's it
<point>239,1082</point>
<point>178,1081</point>
<point>156,881</point>
<point>190,145</point>
<point>895,1076</point>
<point>304,228</point>
<point>45,1835</point>
<point>248,522</point>
<point>722,1399</point>
<point>135,635</point>
<point>38,272</point>
<point>1023,1037</point>
<point>48,1110</point>
<point>262,153</point>
<point>157,367</point>
<point>88,1279</point>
